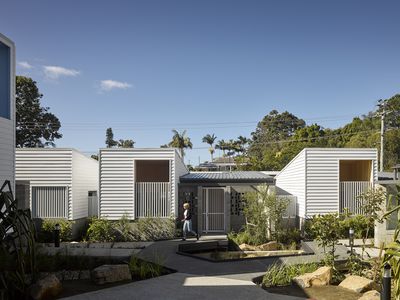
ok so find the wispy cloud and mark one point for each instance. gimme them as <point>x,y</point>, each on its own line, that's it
<point>24,65</point>
<point>54,72</point>
<point>108,85</point>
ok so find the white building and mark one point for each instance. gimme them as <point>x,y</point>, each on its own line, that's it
<point>61,181</point>
<point>139,182</point>
<point>327,180</point>
<point>7,110</point>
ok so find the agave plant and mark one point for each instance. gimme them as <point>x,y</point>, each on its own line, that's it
<point>17,248</point>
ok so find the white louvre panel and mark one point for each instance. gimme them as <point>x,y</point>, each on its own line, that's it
<point>50,202</point>
<point>153,199</point>
<point>117,178</point>
<point>349,191</point>
<point>93,206</point>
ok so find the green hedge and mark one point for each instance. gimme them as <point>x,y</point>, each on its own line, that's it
<point>65,229</point>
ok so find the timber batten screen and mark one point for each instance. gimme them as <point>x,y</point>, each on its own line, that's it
<point>50,202</point>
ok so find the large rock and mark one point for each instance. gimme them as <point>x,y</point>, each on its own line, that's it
<point>322,276</point>
<point>357,283</point>
<point>271,246</point>
<point>370,295</point>
<point>111,273</point>
<point>247,247</point>
<point>47,288</point>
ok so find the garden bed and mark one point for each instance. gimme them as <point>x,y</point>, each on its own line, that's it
<point>215,253</point>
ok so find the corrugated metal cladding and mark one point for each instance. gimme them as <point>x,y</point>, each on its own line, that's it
<point>224,177</point>
<point>313,176</point>
<point>60,167</point>
<point>117,178</point>
<point>45,167</point>
<point>323,176</point>
<point>292,179</point>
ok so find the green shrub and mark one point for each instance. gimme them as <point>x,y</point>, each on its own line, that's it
<point>65,228</point>
<point>152,229</point>
<point>241,237</point>
<point>281,275</point>
<point>142,269</point>
<point>100,230</point>
<point>359,223</point>
<point>123,230</point>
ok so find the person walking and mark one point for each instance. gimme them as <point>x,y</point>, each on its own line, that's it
<point>187,222</point>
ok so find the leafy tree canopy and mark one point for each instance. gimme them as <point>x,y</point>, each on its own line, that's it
<point>35,125</point>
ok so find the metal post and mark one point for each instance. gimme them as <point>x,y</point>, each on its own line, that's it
<point>386,282</point>
<point>57,229</point>
<point>382,138</point>
<point>351,240</point>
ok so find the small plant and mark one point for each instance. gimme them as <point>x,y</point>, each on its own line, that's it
<point>326,229</point>
<point>48,226</point>
<point>142,269</point>
<point>123,228</point>
<point>264,213</point>
<point>281,275</point>
<point>100,230</point>
<point>371,202</point>
<point>152,229</point>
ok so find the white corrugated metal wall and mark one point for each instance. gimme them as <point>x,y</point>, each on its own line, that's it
<point>85,178</point>
<point>7,126</point>
<point>322,189</point>
<point>45,168</point>
<point>117,178</point>
<point>313,176</point>
<point>292,180</point>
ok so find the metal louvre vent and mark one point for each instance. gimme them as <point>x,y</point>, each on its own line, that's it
<point>50,202</point>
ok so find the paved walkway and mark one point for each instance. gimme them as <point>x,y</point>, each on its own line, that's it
<point>200,279</point>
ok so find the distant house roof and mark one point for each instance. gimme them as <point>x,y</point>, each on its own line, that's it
<point>227,177</point>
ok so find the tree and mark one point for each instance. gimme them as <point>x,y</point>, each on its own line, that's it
<point>110,142</point>
<point>35,125</point>
<point>180,141</point>
<point>210,139</point>
<point>222,145</point>
<point>241,143</point>
<point>126,143</point>
<point>94,156</point>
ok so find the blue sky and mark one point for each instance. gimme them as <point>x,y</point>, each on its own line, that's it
<point>146,67</point>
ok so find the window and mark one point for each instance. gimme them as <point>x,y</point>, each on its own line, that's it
<point>5,77</point>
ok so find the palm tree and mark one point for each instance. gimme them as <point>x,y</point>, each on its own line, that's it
<point>180,141</point>
<point>210,139</point>
<point>221,144</point>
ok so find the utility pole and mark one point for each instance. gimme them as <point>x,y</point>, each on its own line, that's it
<point>382,104</point>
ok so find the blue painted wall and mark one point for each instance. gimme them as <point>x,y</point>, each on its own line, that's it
<point>5,100</point>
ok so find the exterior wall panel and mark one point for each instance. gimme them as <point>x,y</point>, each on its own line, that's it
<point>46,167</point>
<point>7,124</point>
<point>292,180</point>
<point>323,176</point>
<point>117,178</point>
<point>85,178</point>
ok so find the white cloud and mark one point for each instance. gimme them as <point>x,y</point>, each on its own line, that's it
<point>54,72</point>
<point>24,65</point>
<point>108,85</point>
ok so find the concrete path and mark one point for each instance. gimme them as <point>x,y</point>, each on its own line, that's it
<point>200,279</point>
<point>181,286</point>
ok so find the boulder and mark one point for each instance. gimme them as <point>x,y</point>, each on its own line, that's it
<point>48,287</point>
<point>322,276</point>
<point>371,295</point>
<point>271,246</point>
<point>111,273</point>
<point>357,283</point>
<point>247,247</point>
